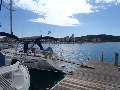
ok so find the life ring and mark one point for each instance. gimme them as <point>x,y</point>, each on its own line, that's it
<point>48,56</point>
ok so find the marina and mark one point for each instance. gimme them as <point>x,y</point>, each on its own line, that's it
<point>46,57</point>
<point>91,72</point>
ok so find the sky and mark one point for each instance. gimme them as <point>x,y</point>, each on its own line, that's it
<point>61,17</point>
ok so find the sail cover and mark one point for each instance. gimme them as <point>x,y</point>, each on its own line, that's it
<point>37,40</point>
<point>9,35</point>
<point>46,37</point>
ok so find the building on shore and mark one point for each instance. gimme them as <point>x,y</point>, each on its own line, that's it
<point>82,39</point>
<point>67,39</point>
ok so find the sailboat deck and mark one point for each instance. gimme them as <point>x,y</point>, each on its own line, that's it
<point>92,75</point>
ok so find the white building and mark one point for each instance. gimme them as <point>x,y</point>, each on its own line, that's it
<point>72,38</point>
<point>67,38</point>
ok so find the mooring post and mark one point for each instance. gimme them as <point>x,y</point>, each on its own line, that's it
<point>102,57</point>
<point>116,59</point>
<point>88,59</point>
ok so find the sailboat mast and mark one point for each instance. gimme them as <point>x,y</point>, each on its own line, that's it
<point>11,17</point>
<point>0,10</point>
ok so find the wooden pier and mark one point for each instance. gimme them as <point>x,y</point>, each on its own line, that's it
<point>92,75</point>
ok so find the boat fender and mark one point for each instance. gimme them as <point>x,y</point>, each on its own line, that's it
<point>48,56</point>
<point>36,64</point>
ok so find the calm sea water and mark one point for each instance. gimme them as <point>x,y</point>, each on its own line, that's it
<point>74,52</point>
<point>93,51</point>
<point>44,80</point>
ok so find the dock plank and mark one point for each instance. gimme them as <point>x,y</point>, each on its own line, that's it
<point>92,75</point>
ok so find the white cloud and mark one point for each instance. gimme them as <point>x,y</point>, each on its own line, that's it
<point>59,12</point>
<point>108,1</point>
<point>56,12</point>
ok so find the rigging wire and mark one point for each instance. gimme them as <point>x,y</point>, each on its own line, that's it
<point>38,24</point>
<point>46,24</point>
<point>5,6</point>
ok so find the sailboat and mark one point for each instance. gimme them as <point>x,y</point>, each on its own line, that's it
<point>14,76</point>
<point>39,58</point>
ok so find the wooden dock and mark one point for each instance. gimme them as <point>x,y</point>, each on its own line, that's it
<point>92,75</point>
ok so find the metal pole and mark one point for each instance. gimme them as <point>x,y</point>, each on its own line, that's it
<point>0,10</point>
<point>11,17</point>
<point>116,58</point>
<point>102,56</point>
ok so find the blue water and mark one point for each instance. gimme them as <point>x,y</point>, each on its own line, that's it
<point>93,51</point>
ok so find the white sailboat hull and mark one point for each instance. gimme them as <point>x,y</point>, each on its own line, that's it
<point>16,76</point>
<point>39,61</point>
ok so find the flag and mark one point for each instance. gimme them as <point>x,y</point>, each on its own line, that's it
<point>49,32</point>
